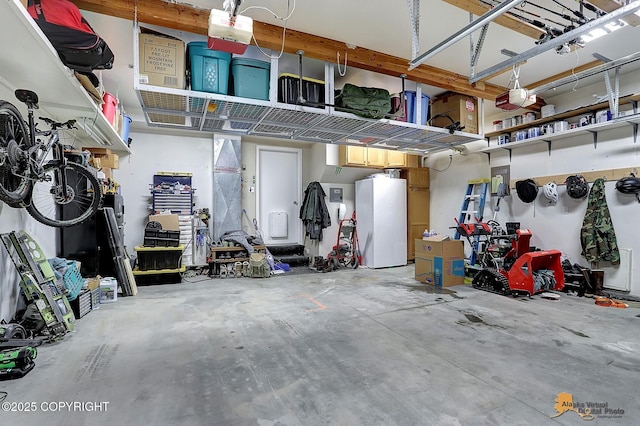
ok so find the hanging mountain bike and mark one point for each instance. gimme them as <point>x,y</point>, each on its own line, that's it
<point>35,174</point>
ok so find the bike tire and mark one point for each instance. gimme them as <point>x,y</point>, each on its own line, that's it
<point>85,201</point>
<point>14,141</point>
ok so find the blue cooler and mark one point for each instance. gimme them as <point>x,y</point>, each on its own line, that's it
<point>250,78</point>
<point>208,69</point>
<point>411,107</point>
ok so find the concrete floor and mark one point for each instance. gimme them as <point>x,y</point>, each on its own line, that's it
<point>363,347</point>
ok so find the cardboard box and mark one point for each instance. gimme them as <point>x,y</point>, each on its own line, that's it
<point>440,261</point>
<point>169,222</point>
<point>162,60</point>
<point>93,283</point>
<point>108,173</point>
<point>110,161</point>
<point>98,151</point>
<point>459,107</point>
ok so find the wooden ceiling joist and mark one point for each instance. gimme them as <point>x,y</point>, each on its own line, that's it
<point>507,21</point>
<point>189,19</point>
<point>565,73</point>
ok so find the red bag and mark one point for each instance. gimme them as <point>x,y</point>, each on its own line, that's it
<point>78,46</point>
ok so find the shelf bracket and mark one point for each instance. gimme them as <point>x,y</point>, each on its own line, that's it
<point>414,17</point>
<point>475,50</point>
<point>509,149</point>
<point>488,157</point>
<point>595,138</point>
<point>548,146</point>
<point>635,132</point>
<point>614,95</point>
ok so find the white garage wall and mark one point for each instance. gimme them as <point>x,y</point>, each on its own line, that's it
<point>553,227</point>
<point>152,153</point>
<point>15,220</point>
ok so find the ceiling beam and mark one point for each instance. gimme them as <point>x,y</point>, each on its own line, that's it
<point>187,18</point>
<point>611,5</point>
<point>565,73</point>
<point>507,21</point>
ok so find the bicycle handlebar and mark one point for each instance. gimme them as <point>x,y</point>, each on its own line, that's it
<point>55,125</point>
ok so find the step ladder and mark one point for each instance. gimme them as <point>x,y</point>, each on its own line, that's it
<point>472,208</point>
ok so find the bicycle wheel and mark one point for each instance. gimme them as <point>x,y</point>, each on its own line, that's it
<point>14,142</point>
<point>48,204</point>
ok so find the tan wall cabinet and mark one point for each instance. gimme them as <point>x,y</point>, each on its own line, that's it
<point>357,156</point>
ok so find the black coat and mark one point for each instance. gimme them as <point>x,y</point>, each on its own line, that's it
<point>313,211</point>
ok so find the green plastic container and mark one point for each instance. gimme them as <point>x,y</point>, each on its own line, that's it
<point>208,69</point>
<point>250,78</point>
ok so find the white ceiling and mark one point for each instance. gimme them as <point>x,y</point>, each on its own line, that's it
<point>383,25</point>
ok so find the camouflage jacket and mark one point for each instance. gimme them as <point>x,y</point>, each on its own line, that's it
<point>597,236</point>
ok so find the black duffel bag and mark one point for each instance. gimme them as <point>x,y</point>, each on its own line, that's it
<point>77,44</point>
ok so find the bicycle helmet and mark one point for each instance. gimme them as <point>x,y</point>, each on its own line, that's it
<point>550,190</point>
<point>527,190</point>
<point>577,186</point>
<point>628,185</point>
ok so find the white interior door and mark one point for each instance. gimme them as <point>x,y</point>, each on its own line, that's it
<point>279,193</point>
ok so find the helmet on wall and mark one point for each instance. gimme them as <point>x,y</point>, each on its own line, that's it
<point>628,185</point>
<point>577,186</point>
<point>527,190</point>
<point>550,190</point>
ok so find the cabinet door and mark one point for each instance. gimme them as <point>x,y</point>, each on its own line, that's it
<point>418,206</point>
<point>396,159</point>
<point>352,156</point>
<point>417,177</point>
<point>376,157</point>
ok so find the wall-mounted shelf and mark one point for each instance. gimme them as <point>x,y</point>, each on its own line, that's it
<point>29,61</point>
<point>633,99</point>
<point>590,130</point>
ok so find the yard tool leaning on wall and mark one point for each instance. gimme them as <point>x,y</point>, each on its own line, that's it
<point>313,211</point>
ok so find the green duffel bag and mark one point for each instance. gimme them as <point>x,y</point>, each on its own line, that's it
<point>368,102</point>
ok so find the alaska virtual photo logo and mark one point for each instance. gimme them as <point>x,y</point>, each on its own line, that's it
<point>587,410</point>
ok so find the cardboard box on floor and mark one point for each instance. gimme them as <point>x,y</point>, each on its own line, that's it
<point>459,107</point>
<point>169,222</point>
<point>440,261</point>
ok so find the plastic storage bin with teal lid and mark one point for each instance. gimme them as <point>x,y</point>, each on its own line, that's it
<point>208,69</point>
<point>250,78</point>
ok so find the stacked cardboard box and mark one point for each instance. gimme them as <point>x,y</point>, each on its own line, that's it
<point>104,160</point>
<point>459,107</point>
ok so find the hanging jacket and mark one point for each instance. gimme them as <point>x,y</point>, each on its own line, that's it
<point>313,212</point>
<point>597,236</point>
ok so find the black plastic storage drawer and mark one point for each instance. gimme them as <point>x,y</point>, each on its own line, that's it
<point>155,258</point>
<point>312,90</point>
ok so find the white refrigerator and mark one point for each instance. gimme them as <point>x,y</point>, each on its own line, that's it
<point>381,212</point>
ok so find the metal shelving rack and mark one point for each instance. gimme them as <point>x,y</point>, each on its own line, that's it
<point>209,112</point>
